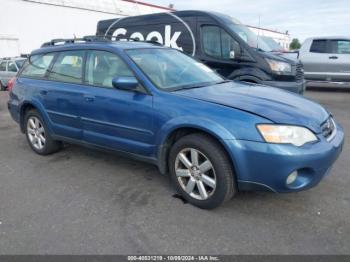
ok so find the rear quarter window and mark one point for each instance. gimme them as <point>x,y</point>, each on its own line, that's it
<point>20,63</point>
<point>37,65</point>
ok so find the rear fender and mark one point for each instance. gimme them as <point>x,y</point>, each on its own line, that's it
<point>40,108</point>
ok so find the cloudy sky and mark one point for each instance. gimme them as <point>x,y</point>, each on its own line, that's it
<point>302,18</point>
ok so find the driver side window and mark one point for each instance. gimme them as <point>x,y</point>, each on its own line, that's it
<point>102,67</point>
<point>216,42</point>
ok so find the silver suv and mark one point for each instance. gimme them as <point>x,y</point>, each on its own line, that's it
<point>326,61</point>
<point>8,69</point>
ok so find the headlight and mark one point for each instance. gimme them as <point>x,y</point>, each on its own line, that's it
<point>279,67</point>
<point>283,134</point>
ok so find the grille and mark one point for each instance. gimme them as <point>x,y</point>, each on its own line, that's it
<point>299,72</point>
<point>328,128</point>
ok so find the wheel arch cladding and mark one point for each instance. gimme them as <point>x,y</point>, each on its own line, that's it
<point>179,132</point>
<point>33,105</point>
<point>25,107</point>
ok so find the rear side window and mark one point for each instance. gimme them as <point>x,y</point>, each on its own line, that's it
<point>340,46</point>
<point>3,66</point>
<point>11,67</point>
<point>68,67</point>
<point>319,46</point>
<point>37,66</point>
<point>102,67</point>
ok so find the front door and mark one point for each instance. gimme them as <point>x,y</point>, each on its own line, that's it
<point>216,47</point>
<point>113,118</point>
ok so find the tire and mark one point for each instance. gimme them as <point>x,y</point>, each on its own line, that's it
<point>190,175</point>
<point>2,87</point>
<point>38,137</point>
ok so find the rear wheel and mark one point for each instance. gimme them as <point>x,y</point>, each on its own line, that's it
<point>38,136</point>
<point>202,171</point>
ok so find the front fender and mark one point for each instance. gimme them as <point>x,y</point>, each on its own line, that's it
<point>206,125</point>
<point>203,124</point>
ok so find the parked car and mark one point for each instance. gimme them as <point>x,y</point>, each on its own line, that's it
<point>214,136</point>
<point>8,69</point>
<point>219,41</point>
<point>326,60</point>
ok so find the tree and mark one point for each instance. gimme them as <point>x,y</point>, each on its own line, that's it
<point>295,44</point>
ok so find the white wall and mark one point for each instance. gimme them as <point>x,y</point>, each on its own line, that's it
<point>34,23</point>
<point>9,46</point>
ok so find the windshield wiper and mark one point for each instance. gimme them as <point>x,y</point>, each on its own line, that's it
<point>193,86</point>
<point>201,85</point>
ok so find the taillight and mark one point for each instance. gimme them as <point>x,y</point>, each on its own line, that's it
<point>11,83</point>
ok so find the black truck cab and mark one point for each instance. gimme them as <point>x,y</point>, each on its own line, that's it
<point>218,40</point>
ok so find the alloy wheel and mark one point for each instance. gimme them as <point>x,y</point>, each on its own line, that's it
<point>195,173</point>
<point>36,133</point>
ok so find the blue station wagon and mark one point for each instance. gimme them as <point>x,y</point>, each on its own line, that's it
<point>213,136</point>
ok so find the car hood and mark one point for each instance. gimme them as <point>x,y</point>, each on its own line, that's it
<point>271,103</point>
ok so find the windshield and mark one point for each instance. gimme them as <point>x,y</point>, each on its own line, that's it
<point>172,70</point>
<point>272,43</point>
<point>248,36</point>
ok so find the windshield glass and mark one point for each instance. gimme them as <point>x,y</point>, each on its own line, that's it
<point>172,70</point>
<point>272,43</point>
<point>248,36</point>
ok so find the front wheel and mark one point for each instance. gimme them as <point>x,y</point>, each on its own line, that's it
<point>201,171</point>
<point>38,136</point>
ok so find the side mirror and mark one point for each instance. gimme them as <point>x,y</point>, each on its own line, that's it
<point>235,52</point>
<point>125,83</point>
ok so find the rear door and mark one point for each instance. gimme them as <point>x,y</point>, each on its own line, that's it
<point>339,67</point>
<point>62,94</point>
<point>114,118</point>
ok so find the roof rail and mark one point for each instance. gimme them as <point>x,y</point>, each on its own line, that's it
<point>61,41</point>
<point>117,38</point>
<point>93,38</point>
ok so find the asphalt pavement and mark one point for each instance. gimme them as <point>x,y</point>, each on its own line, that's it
<point>81,201</point>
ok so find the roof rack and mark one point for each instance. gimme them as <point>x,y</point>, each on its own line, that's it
<point>61,41</point>
<point>118,38</point>
<point>93,38</point>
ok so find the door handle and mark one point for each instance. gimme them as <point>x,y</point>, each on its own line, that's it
<point>333,57</point>
<point>89,98</point>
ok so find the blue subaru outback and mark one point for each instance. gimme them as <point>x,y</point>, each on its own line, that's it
<point>213,136</point>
